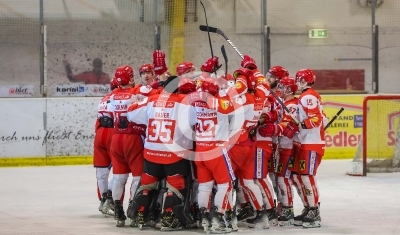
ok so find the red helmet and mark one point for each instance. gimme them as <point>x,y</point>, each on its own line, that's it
<point>305,74</point>
<point>185,67</point>
<point>186,86</point>
<point>124,74</point>
<point>288,83</point>
<point>210,85</point>
<point>278,72</point>
<point>146,68</point>
<point>113,84</point>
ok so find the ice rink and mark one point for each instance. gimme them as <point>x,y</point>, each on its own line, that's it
<point>63,200</point>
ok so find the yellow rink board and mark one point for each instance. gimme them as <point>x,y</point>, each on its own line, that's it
<point>46,161</point>
<point>343,136</point>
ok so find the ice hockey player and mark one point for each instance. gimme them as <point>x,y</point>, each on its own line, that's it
<point>310,143</point>
<point>286,88</point>
<point>212,159</point>
<point>274,75</point>
<point>168,140</point>
<point>127,141</point>
<point>101,152</point>
<point>242,123</point>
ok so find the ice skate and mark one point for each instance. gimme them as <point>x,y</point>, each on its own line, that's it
<point>205,219</point>
<point>312,219</point>
<point>108,207</point>
<point>102,201</point>
<point>140,221</point>
<point>155,216</point>
<point>286,218</point>
<point>272,216</point>
<point>298,220</point>
<point>195,213</point>
<point>119,214</point>
<point>169,222</point>
<point>246,212</point>
<point>231,218</point>
<point>259,221</point>
<point>218,224</point>
<point>133,223</point>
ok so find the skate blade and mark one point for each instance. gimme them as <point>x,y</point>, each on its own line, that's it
<point>120,223</point>
<point>170,229</point>
<point>273,222</point>
<point>315,224</point>
<point>220,231</point>
<point>234,227</point>
<point>143,226</point>
<point>133,224</point>
<point>288,223</point>
<point>152,223</point>
<point>298,223</point>
<point>108,214</point>
<point>260,225</point>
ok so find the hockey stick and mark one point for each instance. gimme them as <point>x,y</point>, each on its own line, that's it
<point>333,119</point>
<point>208,32</point>
<point>225,58</point>
<point>218,31</point>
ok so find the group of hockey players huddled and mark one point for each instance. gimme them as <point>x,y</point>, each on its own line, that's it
<point>207,150</point>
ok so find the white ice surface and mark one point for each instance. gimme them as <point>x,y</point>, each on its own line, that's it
<point>63,200</point>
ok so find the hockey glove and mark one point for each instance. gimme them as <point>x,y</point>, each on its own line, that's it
<point>211,65</point>
<point>248,62</point>
<point>269,130</point>
<point>159,62</point>
<point>290,130</point>
<point>270,117</point>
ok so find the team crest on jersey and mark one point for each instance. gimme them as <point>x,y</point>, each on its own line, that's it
<point>291,162</point>
<point>302,165</point>
<point>224,104</point>
<point>308,192</point>
<point>238,85</point>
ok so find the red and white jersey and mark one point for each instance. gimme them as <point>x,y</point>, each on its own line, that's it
<point>120,100</point>
<point>212,123</point>
<point>310,112</point>
<point>169,134</point>
<point>285,142</point>
<point>243,118</point>
<point>146,90</point>
<point>275,105</point>
<point>265,143</point>
<point>104,109</point>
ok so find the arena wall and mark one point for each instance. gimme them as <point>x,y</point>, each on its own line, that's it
<point>54,131</point>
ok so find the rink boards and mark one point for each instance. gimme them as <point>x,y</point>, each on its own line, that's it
<point>60,131</point>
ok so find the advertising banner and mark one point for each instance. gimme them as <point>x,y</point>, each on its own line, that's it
<point>16,91</point>
<point>343,136</point>
<point>81,90</point>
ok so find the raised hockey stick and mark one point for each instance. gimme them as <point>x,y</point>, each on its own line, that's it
<point>218,31</point>
<point>334,118</point>
<point>208,32</point>
<point>225,58</point>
